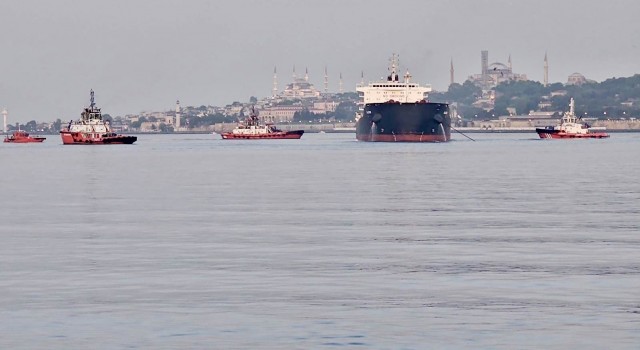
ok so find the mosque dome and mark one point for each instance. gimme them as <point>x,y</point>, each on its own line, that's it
<point>497,66</point>
<point>576,79</point>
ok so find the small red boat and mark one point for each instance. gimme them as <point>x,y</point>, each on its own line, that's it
<point>92,130</point>
<point>251,129</point>
<point>571,128</point>
<point>23,137</point>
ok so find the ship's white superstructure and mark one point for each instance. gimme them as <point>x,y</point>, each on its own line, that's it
<point>571,124</point>
<point>254,129</point>
<point>91,122</point>
<point>391,89</point>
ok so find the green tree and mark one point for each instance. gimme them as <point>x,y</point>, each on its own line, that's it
<point>30,126</point>
<point>138,123</point>
<point>524,96</point>
<point>304,116</point>
<point>165,128</point>
<point>345,111</point>
<point>56,125</point>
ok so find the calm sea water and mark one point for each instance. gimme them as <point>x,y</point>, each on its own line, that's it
<point>188,241</point>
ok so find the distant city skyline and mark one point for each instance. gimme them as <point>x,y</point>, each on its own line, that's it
<point>144,55</point>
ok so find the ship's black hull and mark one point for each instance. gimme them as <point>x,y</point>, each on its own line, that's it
<point>404,122</point>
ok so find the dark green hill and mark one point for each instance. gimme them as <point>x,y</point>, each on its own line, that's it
<point>612,98</point>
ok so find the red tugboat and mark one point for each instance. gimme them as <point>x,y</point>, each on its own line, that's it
<point>92,130</point>
<point>251,129</point>
<point>571,128</point>
<point>23,137</point>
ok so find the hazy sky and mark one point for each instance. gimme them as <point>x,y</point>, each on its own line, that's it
<point>144,54</point>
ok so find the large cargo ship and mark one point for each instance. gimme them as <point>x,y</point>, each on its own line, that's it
<point>394,111</point>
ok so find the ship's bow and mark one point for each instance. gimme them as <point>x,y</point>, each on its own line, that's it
<point>405,122</point>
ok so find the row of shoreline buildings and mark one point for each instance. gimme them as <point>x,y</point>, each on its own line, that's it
<point>300,95</point>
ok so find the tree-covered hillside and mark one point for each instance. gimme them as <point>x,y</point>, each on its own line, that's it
<point>612,98</point>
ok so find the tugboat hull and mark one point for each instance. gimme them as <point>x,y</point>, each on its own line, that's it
<point>29,140</point>
<point>292,135</point>
<point>404,122</point>
<point>552,133</point>
<point>77,138</point>
<point>23,137</point>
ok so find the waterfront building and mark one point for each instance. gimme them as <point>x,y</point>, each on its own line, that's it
<point>278,114</point>
<point>320,107</point>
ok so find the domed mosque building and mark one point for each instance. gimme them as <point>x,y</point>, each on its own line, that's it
<point>491,75</point>
<point>300,93</point>
<point>300,88</point>
<point>578,79</point>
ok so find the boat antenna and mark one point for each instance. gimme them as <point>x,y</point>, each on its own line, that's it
<point>572,107</point>
<point>93,103</point>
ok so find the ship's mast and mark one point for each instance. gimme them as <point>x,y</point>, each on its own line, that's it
<point>92,112</point>
<point>572,107</point>
<point>407,80</point>
<point>394,66</point>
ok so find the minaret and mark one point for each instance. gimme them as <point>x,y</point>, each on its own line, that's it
<point>4,115</point>
<point>340,84</point>
<point>546,70</point>
<point>326,81</point>
<point>510,65</point>
<point>362,78</point>
<point>484,66</point>
<point>294,72</point>
<point>178,115</point>
<point>275,83</point>
<point>451,73</point>
<point>306,74</point>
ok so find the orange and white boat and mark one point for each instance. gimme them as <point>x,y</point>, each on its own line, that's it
<point>251,129</point>
<point>23,137</point>
<point>571,128</point>
<point>90,129</point>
